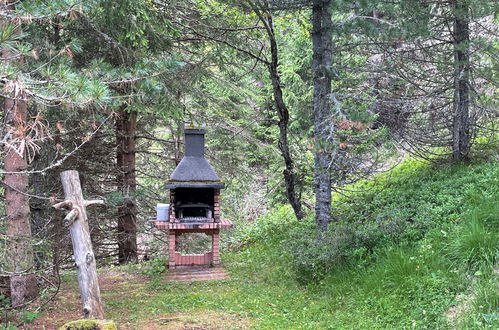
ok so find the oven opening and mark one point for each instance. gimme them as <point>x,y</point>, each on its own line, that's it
<point>194,204</point>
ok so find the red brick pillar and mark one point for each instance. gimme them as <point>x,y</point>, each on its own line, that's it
<point>171,249</point>
<point>216,206</point>
<point>215,246</point>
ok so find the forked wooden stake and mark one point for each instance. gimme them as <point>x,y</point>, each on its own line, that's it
<point>77,221</point>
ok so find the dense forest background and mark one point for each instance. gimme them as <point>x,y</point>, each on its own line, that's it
<point>305,104</point>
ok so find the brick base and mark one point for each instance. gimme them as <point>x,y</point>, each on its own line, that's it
<point>193,259</point>
<point>209,258</point>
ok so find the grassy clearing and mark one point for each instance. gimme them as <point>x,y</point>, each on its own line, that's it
<point>424,256</point>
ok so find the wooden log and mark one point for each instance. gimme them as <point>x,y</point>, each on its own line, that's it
<point>82,246</point>
<point>71,217</point>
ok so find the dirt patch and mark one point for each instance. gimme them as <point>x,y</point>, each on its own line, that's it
<point>67,304</point>
<point>65,307</point>
<point>116,286</point>
<point>463,304</point>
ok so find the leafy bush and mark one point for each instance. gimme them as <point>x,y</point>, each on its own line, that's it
<point>4,301</point>
<point>154,267</point>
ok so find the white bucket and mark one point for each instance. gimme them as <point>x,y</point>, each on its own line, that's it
<point>162,212</point>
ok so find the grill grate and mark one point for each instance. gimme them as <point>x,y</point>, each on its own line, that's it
<point>195,219</point>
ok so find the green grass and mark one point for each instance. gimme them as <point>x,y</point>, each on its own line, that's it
<point>401,259</point>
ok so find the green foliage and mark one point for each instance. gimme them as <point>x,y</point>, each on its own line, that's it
<point>8,326</point>
<point>475,245</point>
<point>401,208</point>
<point>155,267</point>
<point>486,304</point>
<point>4,301</point>
<point>271,227</point>
<point>89,324</point>
<point>135,24</point>
<point>425,235</point>
<point>28,316</point>
<point>483,305</point>
<point>416,198</point>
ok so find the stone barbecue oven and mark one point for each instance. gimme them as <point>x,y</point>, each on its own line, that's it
<point>194,203</point>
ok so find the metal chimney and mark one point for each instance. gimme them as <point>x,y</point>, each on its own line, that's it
<point>194,142</point>
<point>194,170</point>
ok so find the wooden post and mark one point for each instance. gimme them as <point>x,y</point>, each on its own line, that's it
<point>77,221</point>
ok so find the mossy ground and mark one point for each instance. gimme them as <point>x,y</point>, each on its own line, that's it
<point>89,324</point>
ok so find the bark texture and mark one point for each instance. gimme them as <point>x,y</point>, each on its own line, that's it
<point>82,245</point>
<point>323,128</point>
<point>20,259</point>
<point>20,253</point>
<point>126,127</point>
<point>461,125</point>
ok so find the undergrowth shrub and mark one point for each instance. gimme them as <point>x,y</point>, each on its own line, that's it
<point>475,244</point>
<point>399,209</point>
<point>457,205</point>
<point>270,228</point>
<point>154,267</point>
<point>313,258</point>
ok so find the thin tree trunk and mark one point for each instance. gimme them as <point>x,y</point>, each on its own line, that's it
<point>126,126</point>
<point>321,63</point>
<point>57,227</point>
<point>461,34</point>
<point>20,252</point>
<point>283,114</point>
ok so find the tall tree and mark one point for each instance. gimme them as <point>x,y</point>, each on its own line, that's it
<point>438,64</point>
<point>290,175</point>
<point>208,28</point>
<point>15,128</point>
<point>133,50</point>
<point>321,34</point>
<point>462,75</point>
<point>126,128</point>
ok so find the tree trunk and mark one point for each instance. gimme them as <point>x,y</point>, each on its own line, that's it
<point>126,125</point>
<point>461,35</point>
<point>321,64</point>
<point>20,252</point>
<point>82,244</point>
<point>283,114</point>
<point>20,259</point>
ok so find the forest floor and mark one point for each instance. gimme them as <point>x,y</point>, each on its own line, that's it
<point>444,276</point>
<point>133,301</point>
<point>251,296</point>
